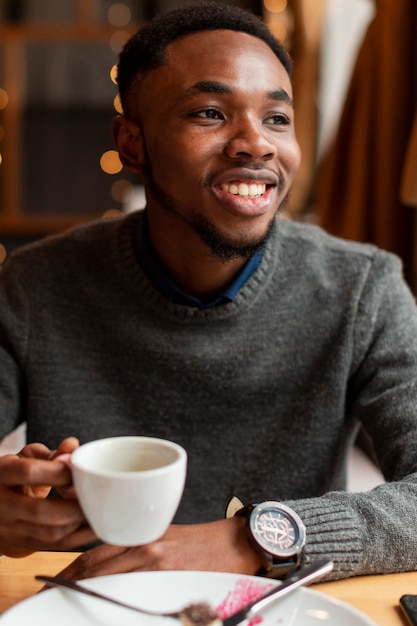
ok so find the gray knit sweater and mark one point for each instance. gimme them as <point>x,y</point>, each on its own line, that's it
<point>265,393</point>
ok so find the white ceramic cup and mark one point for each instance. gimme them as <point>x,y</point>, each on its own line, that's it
<point>129,488</point>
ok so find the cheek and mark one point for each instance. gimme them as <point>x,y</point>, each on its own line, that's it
<point>164,159</point>
<point>175,155</point>
<point>290,155</point>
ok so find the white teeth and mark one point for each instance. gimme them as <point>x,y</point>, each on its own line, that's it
<point>243,189</point>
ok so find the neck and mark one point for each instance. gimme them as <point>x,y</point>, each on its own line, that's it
<point>194,268</point>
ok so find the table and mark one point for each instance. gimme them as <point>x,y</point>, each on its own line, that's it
<point>376,596</point>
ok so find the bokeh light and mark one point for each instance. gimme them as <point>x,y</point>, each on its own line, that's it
<point>4,98</point>
<point>113,74</point>
<point>122,190</point>
<point>119,14</point>
<point>3,253</point>
<point>110,162</point>
<point>118,40</point>
<point>112,213</point>
<point>275,6</point>
<point>117,103</point>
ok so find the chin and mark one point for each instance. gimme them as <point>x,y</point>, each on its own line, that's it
<point>228,248</point>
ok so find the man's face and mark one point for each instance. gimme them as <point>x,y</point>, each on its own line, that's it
<point>219,145</point>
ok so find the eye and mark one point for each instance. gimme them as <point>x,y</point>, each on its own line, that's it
<point>277,119</point>
<point>209,113</point>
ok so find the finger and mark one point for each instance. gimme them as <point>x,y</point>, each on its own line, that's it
<point>68,493</point>
<point>67,446</point>
<point>28,524</point>
<point>30,536</point>
<point>35,491</point>
<point>25,541</point>
<point>53,512</point>
<point>64,457</point>
<point>16,471</point>
<point>104,560</point>
<point>35,450</point>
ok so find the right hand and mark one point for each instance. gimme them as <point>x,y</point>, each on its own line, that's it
<point>28,520</point>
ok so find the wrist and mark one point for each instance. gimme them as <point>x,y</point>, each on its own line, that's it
<point>251,560</point>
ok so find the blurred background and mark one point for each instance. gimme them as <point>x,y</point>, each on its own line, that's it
<point>355,87</point>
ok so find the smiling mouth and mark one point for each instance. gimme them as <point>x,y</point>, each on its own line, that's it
<point>245,190</point>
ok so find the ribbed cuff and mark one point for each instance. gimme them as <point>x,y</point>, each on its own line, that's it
<point>331,534</point>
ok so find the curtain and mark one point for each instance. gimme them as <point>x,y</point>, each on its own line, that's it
<point>357,191</point>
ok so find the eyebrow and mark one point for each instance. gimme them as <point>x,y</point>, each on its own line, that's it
<point>280,95</point>
<point>212,86</point>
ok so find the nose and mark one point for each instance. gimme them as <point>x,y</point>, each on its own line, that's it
<point>248,139</point>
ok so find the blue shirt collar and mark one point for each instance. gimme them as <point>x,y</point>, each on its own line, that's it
<point>160,278</point>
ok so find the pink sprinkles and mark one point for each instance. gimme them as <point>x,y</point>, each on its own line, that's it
<point>246,590</point>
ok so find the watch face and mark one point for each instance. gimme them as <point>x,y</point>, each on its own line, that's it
<point>276,529</point>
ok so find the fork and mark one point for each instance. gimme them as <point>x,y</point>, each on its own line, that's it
<point>201,613</point>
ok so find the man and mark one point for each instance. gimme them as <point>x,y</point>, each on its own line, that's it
<point>256,343</point>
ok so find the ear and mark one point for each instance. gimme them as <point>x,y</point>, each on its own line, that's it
<point>129,141</point>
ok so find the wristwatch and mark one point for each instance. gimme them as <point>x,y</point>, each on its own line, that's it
<point>277,534</point>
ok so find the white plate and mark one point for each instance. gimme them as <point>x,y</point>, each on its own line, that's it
<point>171,590</point>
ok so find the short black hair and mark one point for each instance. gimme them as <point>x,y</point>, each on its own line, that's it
<point>145,50</point>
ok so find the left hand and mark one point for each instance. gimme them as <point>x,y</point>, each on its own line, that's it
<point>219,546</point>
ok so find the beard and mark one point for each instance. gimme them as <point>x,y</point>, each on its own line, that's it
<point>222,246</point>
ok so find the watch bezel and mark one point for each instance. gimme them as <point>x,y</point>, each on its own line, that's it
<point>287,553</point>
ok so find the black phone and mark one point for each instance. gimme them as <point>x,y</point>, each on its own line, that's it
<point>408,603</point>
